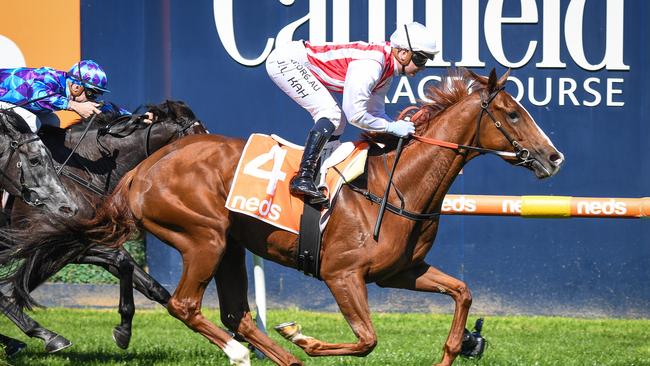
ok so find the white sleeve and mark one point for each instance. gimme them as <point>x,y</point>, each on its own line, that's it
<point>362,107</point>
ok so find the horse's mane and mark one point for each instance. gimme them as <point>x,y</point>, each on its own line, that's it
<point>454,87</point>
<point>16,121</point>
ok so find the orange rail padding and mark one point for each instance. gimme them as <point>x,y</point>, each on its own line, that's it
<point>546,206</point>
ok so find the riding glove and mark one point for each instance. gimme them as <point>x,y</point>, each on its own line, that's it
<point>400,128</point>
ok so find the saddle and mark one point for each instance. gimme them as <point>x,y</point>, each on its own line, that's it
<point>260,188</point>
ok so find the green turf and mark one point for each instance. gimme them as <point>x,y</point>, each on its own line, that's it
<point>404,339</point>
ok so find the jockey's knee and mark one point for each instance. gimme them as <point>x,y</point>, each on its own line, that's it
<point>331,113</point>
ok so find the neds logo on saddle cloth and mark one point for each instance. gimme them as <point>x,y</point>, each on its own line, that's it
<point>260,187</point>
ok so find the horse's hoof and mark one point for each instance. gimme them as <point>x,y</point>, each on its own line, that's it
<point>57,344</point>
<point>473,345</point>
<point>121,338</point>
<point>13,346</point>
<point>288,330</point>
<point>291,331</point>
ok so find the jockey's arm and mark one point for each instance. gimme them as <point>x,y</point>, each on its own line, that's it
<point>362,107</point>
<point>55,101</point>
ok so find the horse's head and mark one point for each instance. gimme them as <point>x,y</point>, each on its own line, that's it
<point>171,120</point>
<point>179,116</point>
<point>27,168</point>
<point>506,126</point>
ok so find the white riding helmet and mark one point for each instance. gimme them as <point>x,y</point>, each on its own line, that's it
<point>419,37</point>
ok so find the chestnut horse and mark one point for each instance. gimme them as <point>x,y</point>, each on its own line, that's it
<point>179,195</point>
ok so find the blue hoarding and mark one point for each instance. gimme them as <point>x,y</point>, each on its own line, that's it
<point>578,67</point>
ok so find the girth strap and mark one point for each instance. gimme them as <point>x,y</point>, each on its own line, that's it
<point>309,240</point>
<point>392,208</point>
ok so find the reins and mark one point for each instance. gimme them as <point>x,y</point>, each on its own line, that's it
<point>522,154</point>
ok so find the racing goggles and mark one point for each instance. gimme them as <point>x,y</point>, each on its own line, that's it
<point>420,58</point>
<point>92,94</point>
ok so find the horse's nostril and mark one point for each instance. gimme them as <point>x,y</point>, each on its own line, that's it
<point>556,158</point>
<point>66,210</point>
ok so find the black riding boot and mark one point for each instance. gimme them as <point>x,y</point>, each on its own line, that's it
<point>303,182</point>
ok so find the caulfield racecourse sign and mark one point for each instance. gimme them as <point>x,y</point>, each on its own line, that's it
<point>592,85</point>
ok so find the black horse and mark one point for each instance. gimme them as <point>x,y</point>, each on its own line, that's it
<point>111,146</point>
<point>28,172</point>
<point>26,168</point>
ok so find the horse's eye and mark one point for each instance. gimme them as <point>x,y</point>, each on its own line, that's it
<point>35,161</point>
<point>513,116</point>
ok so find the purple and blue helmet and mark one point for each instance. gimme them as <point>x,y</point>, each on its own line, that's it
<point>89,74</point>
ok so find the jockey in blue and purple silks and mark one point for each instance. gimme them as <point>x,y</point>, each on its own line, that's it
<point>76,90</point>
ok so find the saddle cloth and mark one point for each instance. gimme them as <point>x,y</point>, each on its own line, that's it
<point>260,187</point>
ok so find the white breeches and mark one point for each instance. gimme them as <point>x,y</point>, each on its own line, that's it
<point>34,121</point>
<point>287,67</point>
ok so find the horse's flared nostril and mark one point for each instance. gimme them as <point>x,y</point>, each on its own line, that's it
<point>67,210</point>
<point>556,158</point>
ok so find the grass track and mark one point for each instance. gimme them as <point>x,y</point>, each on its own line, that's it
<point>404,339</point>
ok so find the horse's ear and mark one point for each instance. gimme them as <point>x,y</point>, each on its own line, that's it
<point>503,79</point>
<point>477,77</point>
<point>492,80</point>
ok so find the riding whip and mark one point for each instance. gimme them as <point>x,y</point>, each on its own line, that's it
<point>90,123</point>
<point>382,208</point>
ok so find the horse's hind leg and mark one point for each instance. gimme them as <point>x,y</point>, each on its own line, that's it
<point>123,264</point>
<point>351,295</point>
<point>429,279</point>
<point>53,342</point>
<point>232,287</point>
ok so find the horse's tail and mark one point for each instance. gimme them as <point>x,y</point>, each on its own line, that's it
<point>114,223</point>
<point>35,252</point>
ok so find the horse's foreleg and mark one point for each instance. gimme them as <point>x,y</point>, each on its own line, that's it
<point>120,264</point>
<point>53,342</point>
<point>429,279</point>
<point>351,295</point>
<point>232,287</point>
<point>199,266</point>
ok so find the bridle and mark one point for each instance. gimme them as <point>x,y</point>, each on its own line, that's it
<point>520,153</point>
<point>14,145</point>
<point>186,125</point>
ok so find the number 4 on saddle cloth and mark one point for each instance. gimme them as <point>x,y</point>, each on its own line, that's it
<point>261,185</point>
